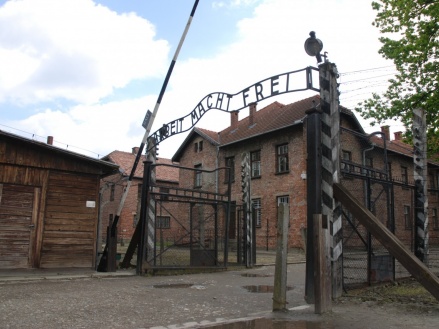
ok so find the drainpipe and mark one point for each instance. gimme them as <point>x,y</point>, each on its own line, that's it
<point>367,192</point>
<point>366,196</point>
<point>216,170</point>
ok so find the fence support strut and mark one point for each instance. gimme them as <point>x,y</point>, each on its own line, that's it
<point>412,264</point>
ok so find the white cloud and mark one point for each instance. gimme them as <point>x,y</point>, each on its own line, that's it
<point>96,128</point>
<point>73,49</point>
<point>90,52</point>
<point>233,3</point>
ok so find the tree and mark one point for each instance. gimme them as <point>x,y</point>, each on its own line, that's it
<point>410,38</point>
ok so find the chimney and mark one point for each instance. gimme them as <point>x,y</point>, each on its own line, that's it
<point>386,131</point>
<point>50,140</point>
<point>234,119</point>
<point>135,150</point>
<point>252,112</point>
<point>398,136</point>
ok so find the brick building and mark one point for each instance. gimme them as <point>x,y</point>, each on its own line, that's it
<point>112,188</point>
<point>275,138</point>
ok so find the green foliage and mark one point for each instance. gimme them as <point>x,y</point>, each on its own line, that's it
<point>410,38</point>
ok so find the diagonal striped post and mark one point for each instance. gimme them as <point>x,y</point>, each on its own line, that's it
<point>147,214</point>
<point>150,216</point>
<point>420,177</point>
<point>246,200</point>
<point>329,104</point>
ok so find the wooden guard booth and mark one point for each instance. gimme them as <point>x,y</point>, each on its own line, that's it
<point>49,202</point>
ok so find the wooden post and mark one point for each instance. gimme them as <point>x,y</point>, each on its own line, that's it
<point>280,272</point>
<point>112,249</point>
<point>322,265</point>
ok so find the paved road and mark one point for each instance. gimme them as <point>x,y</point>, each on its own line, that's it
<point>92,300</point>
<point>78,301</point>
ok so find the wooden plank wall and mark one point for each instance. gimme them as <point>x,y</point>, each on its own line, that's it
<point>69,236</point>
<point>16,214</point>
<point>35,179</point>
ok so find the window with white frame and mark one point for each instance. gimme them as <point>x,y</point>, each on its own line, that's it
<point>283,199</point>
<point>257,211</point>
<point>255,162</point>
<point>163,222</point>
<point>282,158</point>
<point>198,176</point>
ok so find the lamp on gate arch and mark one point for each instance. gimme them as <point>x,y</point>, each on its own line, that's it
<point>314,46</point>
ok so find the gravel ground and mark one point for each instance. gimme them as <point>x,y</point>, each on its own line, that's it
<point>205,300</point>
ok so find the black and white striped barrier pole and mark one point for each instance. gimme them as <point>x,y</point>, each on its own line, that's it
<point>147,124</point>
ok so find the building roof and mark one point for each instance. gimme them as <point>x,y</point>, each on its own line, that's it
<point>271,118</point>
<point>106,167</point>
<point>125,160</point>
<point>399,147</point>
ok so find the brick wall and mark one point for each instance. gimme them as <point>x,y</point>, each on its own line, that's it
<point>271,185</point>
<point>110,205</point>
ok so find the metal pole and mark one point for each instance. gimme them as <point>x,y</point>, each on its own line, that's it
<point>369,235</point>
<point>148,130</point>
<point>313,192</point>
<point>228,211</point>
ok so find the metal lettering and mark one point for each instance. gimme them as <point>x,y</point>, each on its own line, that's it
<point>274,82</point>
<point>201,109</point>
<point>219,101</point>
<point>245,95</point>
<point>209,104</point>
<point>194,115</point>
<point>258,89</point>
<point>278,84</point>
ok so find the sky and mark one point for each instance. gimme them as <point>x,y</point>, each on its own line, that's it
<point>86,72</point>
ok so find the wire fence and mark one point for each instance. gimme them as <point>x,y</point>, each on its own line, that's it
<point>366,173</point>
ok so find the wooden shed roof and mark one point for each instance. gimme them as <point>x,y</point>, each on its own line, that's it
<point>104,167</point>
